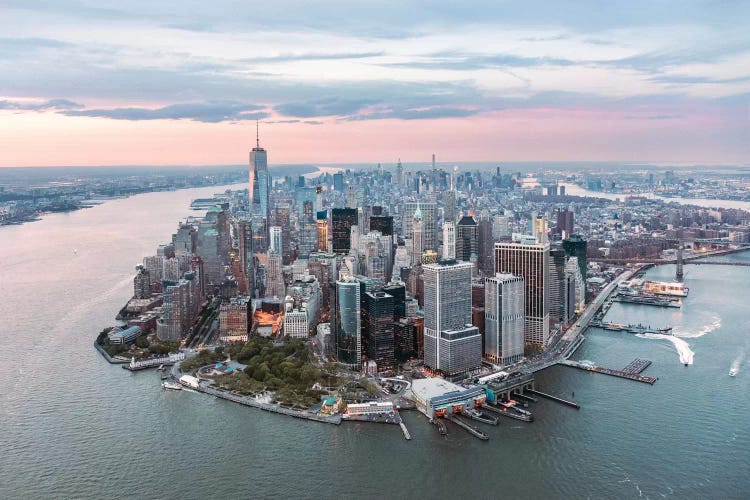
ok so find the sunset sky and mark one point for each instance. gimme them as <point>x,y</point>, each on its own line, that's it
<point>182,82</point>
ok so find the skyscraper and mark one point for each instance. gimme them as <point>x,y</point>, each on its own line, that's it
<point>247,261</point>
<point>467,238</point>
<point>342,221</point>
<point>260,180</point>
<point>504,318</point>
<point>338,181</point>
<point>382,223</point>
<point>275,238</point>
<point>429,223</point>
<point>141,283</point>
<point>452,344</point>
<point>565,223</point>
<point>282,218</point>
<point>377,328</point>
<point>557,286</point>
<point>274,277</point>
<point>575,246</point>
<point>530,260</point>
<point>348,322</point>
<point>449,241</point>
<point>417,238</point>
<point>485,257</point>
<point>322,227</point>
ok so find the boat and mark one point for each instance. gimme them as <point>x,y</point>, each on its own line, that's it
<point>733,372</point>
<point>171,385</point>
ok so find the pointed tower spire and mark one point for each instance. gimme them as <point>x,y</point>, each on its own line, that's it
<point>257,134</point>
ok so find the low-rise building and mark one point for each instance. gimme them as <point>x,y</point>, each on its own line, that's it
<point>436,397</point>
<point>371,408</point>
<point>123,336</point>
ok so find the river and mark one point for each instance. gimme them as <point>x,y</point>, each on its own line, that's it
<point>71,425</point>
<point>576,190</point>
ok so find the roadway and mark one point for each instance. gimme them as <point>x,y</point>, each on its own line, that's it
<point>555,354</point>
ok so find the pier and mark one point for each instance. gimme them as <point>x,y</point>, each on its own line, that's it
<point>405,431</point>
<point>637,366</point>
<point>572,404</point>
<point>480,417</point>
<point>509,411</point>
<point>154,362</point>
<point>469,428</point>
<point>608,371</point>
<point>525,397</point>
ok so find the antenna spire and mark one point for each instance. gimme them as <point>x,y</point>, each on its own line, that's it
<point>257,134</point>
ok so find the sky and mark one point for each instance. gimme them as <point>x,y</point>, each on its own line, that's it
<point>183,82</point>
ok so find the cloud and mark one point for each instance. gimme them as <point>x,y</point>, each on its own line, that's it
<point>416,114</point>
<point>689,79</point>
<point>653,117</point>
<point>306,122</point>
<point>207,112</point>
<point>324,107</point>
<point>52,104</point>
<point>26,44</point>
<point>463,61</point>
<point>313,57</point>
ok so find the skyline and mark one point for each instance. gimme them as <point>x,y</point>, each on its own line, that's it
<point>340,83</point>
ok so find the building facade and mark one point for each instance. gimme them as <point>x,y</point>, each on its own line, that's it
<point>530,260</point>
<point>504,318</point>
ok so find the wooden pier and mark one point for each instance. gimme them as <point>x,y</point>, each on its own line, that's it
<point>637,366</point>
<point>608,371</point>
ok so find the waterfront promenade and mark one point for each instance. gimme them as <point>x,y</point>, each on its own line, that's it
<point>249,401</point>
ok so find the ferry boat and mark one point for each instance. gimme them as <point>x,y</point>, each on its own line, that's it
<point>638,287</point>
<point>171,385</point>
<point>674,289</point>
<point>733,372</point>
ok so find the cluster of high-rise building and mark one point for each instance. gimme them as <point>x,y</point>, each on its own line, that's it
<point>412,266</point>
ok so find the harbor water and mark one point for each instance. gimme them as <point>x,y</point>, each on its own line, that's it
<point>73,426</point>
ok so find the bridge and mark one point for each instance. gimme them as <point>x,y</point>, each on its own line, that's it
<point>692,259</point>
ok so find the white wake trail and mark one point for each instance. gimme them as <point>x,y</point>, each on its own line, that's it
<point>715,324</point>
<point>683,348</point>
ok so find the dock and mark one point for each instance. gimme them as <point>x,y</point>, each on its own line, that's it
<point>510,412</point>
<point>405,431</point>
<point>525,397</point>
<point>469,428</point>
<point>134,365</point>
<point>608,371</point>
<point>637,366</point>
<point>480,417</point>
<point>572,404</point>
<point>441,427</point>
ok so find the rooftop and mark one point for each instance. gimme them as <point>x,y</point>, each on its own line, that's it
<point>429,388</point>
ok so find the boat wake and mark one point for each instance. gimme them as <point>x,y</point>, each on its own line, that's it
<point>734,369</point>
<point>683,348</point>
<point>706,329</point>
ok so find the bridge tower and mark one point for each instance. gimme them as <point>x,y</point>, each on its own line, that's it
<point>679,274</point>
